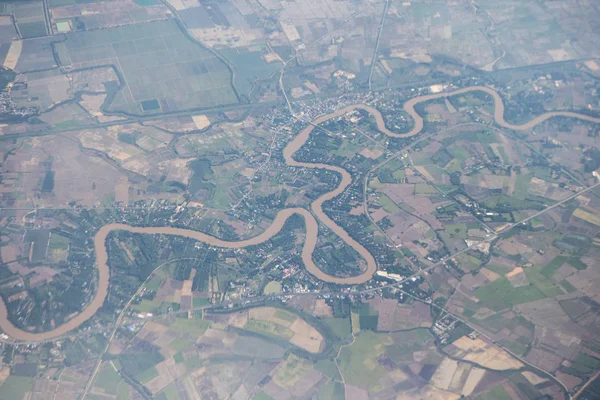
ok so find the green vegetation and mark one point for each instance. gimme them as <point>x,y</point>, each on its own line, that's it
<point>500,294</point>
<point>146,3</point>
<point>497,393</point>
<point>387,204</point>
<point>249,67</point>
<point>272,287</point>
<point>353,359</point>
<point>268,328</point>
<point>328,368</point>
<point>108,378</point>
<point>285,315</point>
<point>583,365</point>
<point>424,188</point>
<point>181,344</point>
<point>178,358</point>
<point>406,343</point>
<point>457,230</point>
<point>367,318</point>
<point>15,387</point>
<point>58,241</point>
<point>340,326</point>
<point>262,396</point>
<point>553,266</point>
<point>140,359</point>
<point>143,54</point>
<point>200,301</point>
<point>543,284</point>
<point>331,390</point>
<point>567,286</point>
<point>194,327</point>
<point>576,263</point>
<point>147,375</point>
<point>170,392</point>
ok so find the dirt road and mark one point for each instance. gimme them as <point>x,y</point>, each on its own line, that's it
<point>312,226</point>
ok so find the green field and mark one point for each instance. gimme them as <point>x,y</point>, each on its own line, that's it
<point>272,287</point>
<point>328,368</point>
<point>262,396</point>
<point>332,390</point>
<point>583,365</point>
<point>147,375</point>
<point>249,66</point>
<point>522,186</point>
<point>497,393</point>
<point>541,282</point>
<point>285,315</point>
<point>354,359</point>
<point>194,327</point>
<point>269,328</point>
<point>15,387</point>
<point>387,204</point>
<point>553,266</point>
<point>170,392</point>
<point>457,230</point>
<point>567,286</point>
<point>340,326</point>
<point>295,368</point>
<point>500,294</point>
<point>424,188</point>
<point>162,69</point>
<point>181,344</point>
<point>108,379</point>
<point>146,306</point>
<point>58,241</point>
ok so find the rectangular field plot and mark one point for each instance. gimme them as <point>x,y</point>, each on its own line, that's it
<point>161,69</point>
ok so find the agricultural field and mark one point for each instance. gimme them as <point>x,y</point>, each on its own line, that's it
<point>161,71</point>
<point>272,199</point>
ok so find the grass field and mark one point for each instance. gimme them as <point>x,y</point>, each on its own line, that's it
<point>541,282</point>
<point>162,69</point>
<point>387,204</point>
<point>497,393</point>
<point>108,379</point>
<point>170,392</point>
<point>522,186</point>
<point>249,66</point>
<point>587,216</point>
<point>295,368</point>
<point>553,266</point>
<point>15,387</point>
<point>148,306</point>
<point>58,241</point>
<point>147,375</point>
<point>272,287</point>
<point>500,294</point>
<point>567,286</point>
<point>424,188</point>
<point>340,326</point>
<point>405,343</point>
<point>457,230</point>
<point>584,364</point>
<point>181,344</point>
<point>357,362</point>
<point>194,327</point>
<point>269,329</point>
<point>285,315</point>
<point>262,396</point>
<point>332,390</point>
<point>328,368</point>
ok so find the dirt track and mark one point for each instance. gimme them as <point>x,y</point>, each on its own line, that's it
<point>312,227</point>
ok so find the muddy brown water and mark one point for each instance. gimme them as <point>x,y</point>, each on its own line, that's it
<point>312,227</point>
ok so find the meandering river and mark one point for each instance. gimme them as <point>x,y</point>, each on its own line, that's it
<point>312,227</point>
